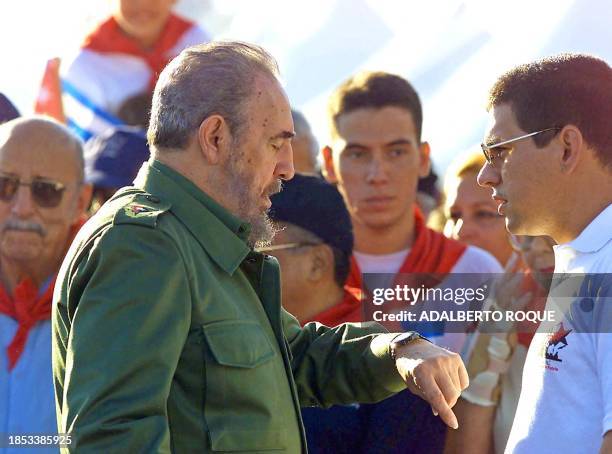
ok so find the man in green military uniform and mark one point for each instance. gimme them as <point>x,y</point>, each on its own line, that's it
<point>169,335</point>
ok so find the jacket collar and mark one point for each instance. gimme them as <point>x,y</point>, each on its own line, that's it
<point>220,233</point>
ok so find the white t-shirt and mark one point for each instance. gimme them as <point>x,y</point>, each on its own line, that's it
<point>566,401</point>
<point>474,260</point>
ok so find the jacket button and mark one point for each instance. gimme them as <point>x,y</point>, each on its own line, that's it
<point>152,198</point>
<point>251,260</point>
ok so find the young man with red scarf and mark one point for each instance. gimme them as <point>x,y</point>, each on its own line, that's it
<point>376,158</point>
<point>118,61</point>
<point>42,202</point>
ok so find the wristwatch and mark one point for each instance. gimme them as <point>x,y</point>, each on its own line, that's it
<point>404,339</point>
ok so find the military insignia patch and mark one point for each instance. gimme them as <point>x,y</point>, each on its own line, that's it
<point>136,211</point>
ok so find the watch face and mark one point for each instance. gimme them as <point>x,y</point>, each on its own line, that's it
<point>406,338</point>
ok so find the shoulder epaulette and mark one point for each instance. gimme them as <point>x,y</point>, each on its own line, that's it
<point>143,209</point>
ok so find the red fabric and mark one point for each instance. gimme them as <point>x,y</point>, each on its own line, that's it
<point>49,101</point>
<point>27,308</point>
<point>526,329</point>
<point>109,38</point>
<point>347,311</point>
<point>431,252</point>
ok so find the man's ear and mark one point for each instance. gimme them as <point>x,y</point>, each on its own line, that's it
<point>214,138</point>
<point>320,263</point>
<point>328,171</point>
<point>425,164</point>
<point>573,146</point>
<point>83,200</point>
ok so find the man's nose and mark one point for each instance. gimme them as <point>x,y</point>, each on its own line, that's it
<point>284,167</point>
<point>22,204</point>
<point>488,176</point>
<point>377,171</point>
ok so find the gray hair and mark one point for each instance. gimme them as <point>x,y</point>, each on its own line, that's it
<point>207,79</point>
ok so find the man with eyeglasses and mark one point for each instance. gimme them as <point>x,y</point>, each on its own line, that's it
<point>42,201</point>
<point>549,163</point>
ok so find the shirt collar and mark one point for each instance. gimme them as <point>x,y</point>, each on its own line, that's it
<point>222,234</point>
<point>595,236</point>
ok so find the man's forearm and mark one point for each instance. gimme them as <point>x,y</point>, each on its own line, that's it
<point>345,364</point>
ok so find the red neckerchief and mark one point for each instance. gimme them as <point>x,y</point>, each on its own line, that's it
<point>431,252</point>
<point>28,308</point>
<point>109,38</point>
<point>348,310</point>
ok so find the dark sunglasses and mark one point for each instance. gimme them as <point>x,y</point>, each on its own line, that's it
<point>45,193</point>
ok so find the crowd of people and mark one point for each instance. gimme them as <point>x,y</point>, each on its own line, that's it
<point>184,267</point>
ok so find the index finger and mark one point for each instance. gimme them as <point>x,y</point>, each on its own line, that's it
<point>432,393</point>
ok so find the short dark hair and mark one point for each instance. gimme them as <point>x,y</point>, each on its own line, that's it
<point>375,90</point>
<point>557,91</point>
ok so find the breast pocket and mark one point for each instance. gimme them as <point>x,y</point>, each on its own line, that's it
<point>242,371</point>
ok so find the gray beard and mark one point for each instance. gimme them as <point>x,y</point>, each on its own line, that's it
<point>239,185</point>
<point>262,230</point>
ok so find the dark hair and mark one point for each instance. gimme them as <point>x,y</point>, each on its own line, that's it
<point>136,110</point>
<point>375,90</point>
<point>342,266</point>
<point>557,91</point>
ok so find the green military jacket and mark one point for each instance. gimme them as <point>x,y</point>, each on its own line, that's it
<point>169,336</point>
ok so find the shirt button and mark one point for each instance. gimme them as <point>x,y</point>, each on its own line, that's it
<point>152,198</point>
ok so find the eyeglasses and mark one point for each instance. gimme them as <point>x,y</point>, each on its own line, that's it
<point>491,156</point>
<point>280,247</point>
<point>45,193</point>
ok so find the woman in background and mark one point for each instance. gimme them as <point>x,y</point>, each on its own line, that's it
<point>471,213</point>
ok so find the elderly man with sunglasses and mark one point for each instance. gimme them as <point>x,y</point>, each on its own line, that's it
<point>549,163</point>
<point>42,201</point>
